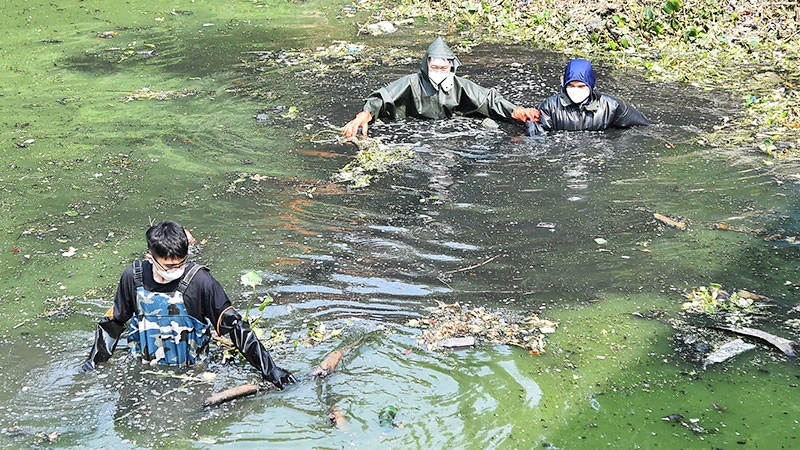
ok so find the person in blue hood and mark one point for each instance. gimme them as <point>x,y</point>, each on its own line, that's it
<point>579,107</point>
<point>435,92</point>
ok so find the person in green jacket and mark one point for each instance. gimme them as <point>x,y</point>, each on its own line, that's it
<point>436,93</point>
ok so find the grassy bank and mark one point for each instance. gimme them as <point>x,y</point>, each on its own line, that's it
<point>746,48</point>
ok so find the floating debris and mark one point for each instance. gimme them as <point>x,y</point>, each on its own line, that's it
<point>339,57</point>
<point>728,351</point>
<point>233,393</point>
<point>147,94</point>
<point>316,333</point>
<point>15,430</point>
<point>458,342</point>
<point>25,143</point>
<point>712,299</point>
<point>678,223</point>
<point>373,158</point>
<point>382,27</point>
<point>737,229</point>
<point>336,416</point>
<point>328,364</point>
<point>59,307</point>
<point>450,321</point>
<point>788,347</point>
<point>47,438</point>
<point>386,415</point>
<point>489,124</point>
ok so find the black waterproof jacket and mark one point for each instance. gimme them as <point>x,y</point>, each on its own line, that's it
<point>604,111</point>
<point>415,96</point>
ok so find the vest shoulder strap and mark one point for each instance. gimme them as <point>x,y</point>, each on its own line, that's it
<point>137,273</point>
<point>189,277</point>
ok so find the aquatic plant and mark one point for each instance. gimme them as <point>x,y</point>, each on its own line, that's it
<point>253,279</point>
<point>372,158</point>
<point>317,332</point>
<point>712,299</point>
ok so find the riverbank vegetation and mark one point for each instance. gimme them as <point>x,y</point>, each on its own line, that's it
<point>748,49</point>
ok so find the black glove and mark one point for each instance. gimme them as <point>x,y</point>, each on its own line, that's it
<point>247,342</point>
<point>105,341</point>
<point>534,128</point>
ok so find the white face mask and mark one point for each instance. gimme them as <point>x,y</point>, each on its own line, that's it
<point>437,77</point>
<point>167,275</point>
<point>577,94</point>
<point>171,275</point>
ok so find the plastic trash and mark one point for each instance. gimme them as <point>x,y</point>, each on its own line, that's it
<point>728,351</point>
<point>386,415</point>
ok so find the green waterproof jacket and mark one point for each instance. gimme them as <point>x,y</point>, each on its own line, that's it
<point>415,96</point>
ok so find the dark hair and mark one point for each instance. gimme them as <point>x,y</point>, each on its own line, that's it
<point>167,239</point>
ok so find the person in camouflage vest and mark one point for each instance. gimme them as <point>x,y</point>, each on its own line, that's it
<point>172,305</point>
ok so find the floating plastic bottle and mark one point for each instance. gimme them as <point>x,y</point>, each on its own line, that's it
<point>386,415</point>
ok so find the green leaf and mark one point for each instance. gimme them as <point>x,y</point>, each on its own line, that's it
<point>672,6</point>
<point>251,279</point>
<point>264,304</point>
<point>71,213</point>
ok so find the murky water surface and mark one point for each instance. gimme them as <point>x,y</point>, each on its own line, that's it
<point>113,116</point>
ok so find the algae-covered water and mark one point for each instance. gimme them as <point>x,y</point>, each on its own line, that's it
<point>114,115</point>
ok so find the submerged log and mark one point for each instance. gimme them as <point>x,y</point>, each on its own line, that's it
<point>231,394</point>
<point>788,347</point>
<point>328,365</point>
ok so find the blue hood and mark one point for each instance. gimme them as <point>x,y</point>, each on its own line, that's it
<point>579,70</point>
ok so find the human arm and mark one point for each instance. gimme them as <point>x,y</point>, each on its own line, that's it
<point>627,116</point>
<point>106,337</point>
<point>206,300</point>
<point>246,341</point>
<point>525,114</point>
<point>112,325</point>
<point>476,100</point>
<point>361,120</point>
<point>545,122</point>
<point>392,101</point>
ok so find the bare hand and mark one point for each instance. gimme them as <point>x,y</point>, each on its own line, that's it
<point>362,120</point>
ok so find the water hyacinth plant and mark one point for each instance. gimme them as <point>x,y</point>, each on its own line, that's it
<point>253,279</point>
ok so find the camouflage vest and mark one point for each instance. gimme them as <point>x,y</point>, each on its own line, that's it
<point>161,331</point>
